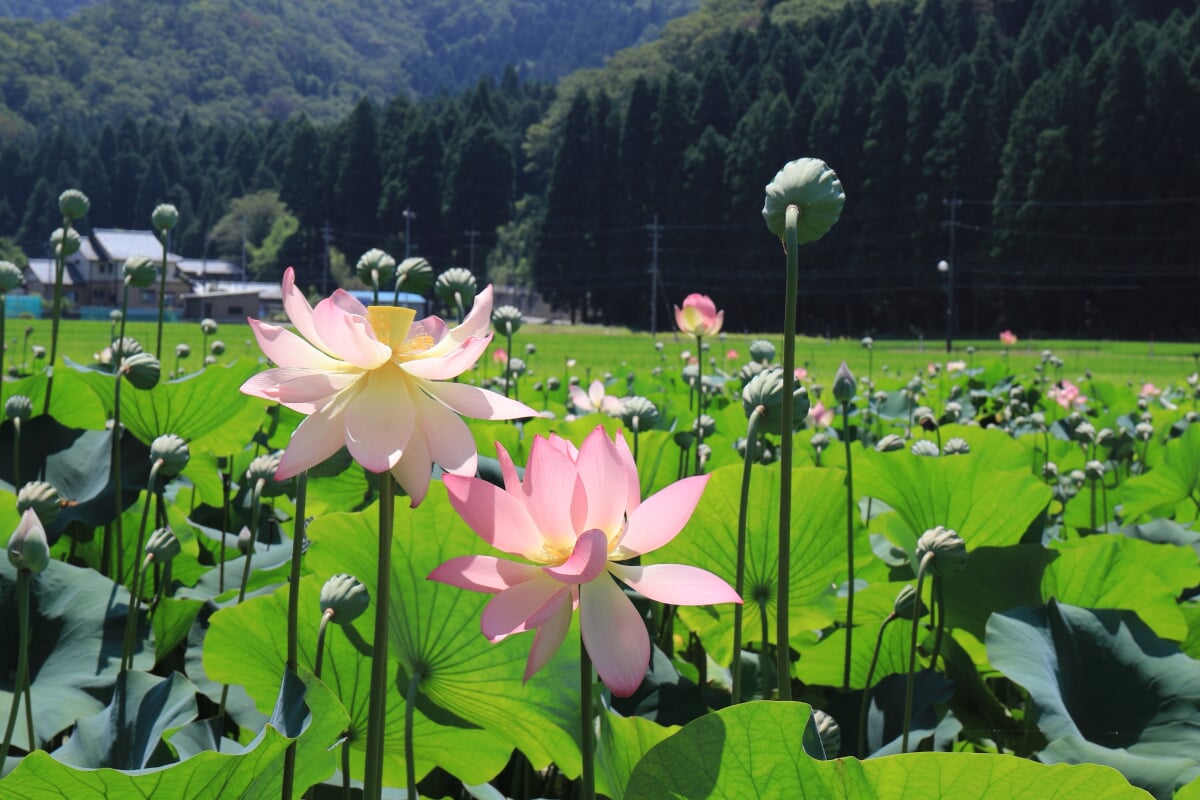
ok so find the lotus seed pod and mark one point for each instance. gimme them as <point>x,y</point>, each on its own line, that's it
<point>414,275</point>
<point>73,204</point>
<point>163,545</point>
<point>957,446</point>
<point>173,451</point>
<point>18,407</point>
<point>705,425</point>
<point>140,272</point>
<point>1050,471</point>
<point>766,389</point>
<point>182,351</point>
<point>264,468</point>
<point>844,385</point>
<point>376,268</point>
<point>142,369</point>
<point>573,380</point>
<point>685,439</point>
<point>553,383</point>
<point>890,443</point>
<point>762,351</point>
<point>924,447</point>
<point>27,547</point>
<point>346,597</point>
<point>39,352</point>
<point>1084,432</point>
<point>208,326</point>
<point>749,370</point>
<point>10,276</point>
<point>948,548</point>
<point>217,348</point>
<point>1094,469</point>
<point>829,732</point>
<point>164,217</point>
<point>1077,477</point>
<point>456,286</point>
<point>689,374</point>
<point>819,441</point>
<point>705,453</point>
<point>530,349</point>
<point>115,315</point>
<point>42,498</point>
<point>907,605</point>
<point>1038,420</point>
<point>638,413</point>
<point>507,320</point>
<point>123,348</point>
<point>658,346</point>
<point>64,243</point>
<point>811,186</point>
<point>923,416</point>
<point>954,410</point>
<point>516,366</point>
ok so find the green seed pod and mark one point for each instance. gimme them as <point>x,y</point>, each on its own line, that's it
<point>140,272</point>
<point>414,275</point>
<point>73,204</point>
<point>706,425</point>
<point>639,413</point>
<point>456,285</point>
<point>517,366</point>
<point>42,498</point>
<point>163,545</point>
<point>123,348</point>
<point>39,352</point>
<point>1094,470</point>
<point>957,446</point>
<point>10,276</point>
<point>890,443</point>
<point>819,441</point>
<point>18,407</point>
<point>553,383</point>
<point>263,468</point>
<point>924,447</point>
<point>182,351</point>
<point>1050,471</point>
<point>811,186</point>
<point>907,605</point>
<point>376,268</point>
<point>173,451</point>
<point>765,389</point>
<point>27,547</point>
<point>346,597</point>
<point>164,217</point>
<point>142,369</point>
<point>948,548</point>
<point>208,326</point>
<point>867,342</point>
<point>217,348</point>
<point>843,385</point>
<point>507,320</point>
<point>64,243</point>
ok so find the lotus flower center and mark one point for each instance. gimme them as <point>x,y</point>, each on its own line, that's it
<point>393,326</point>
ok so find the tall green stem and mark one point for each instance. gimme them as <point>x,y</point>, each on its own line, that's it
<point>587,733</point>
<point>866,698</point>
<point>782,651</point>
<point>740,569</point>
<point>135,583</point>
<point>16,447</point>
<point>410,761</point>
<point>376,717</point>
<point>60,262</point>
<point>699,400</point>
<point>849,546</point>
<point>162,297</point>
<point>23,577</point>
<point>3,347</point>
<point>293,618</point>
<point>116,440</point>
<point>508,360</point>
<point>912,654</point>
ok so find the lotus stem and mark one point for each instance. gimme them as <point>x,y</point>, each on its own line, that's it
<point>3,347</point>
<point>162,298</point>
<point>587,734</point>
<point>376,718</point>
<point>255,504</point>
<point>16,440</point>
<point>116,438</point>
<point>849,546</point>
<point>135,581</point>
<point>23,578</point>
<point>60,262</point>
<point>410,761</point>
<point>293,619</point>
<point>507,361</point>
<point>699,400</point>
<point>926,560</point>
<point>939,599</point>
<point>763,657</point>
<point>866,698</point>
<point>225,491</point>
<point>782,659</point>
<point>740,569</point>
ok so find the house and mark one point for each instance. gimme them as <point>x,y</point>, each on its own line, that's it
<point>233,301</point>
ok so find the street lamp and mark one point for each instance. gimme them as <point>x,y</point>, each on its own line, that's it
<point>944,266</point>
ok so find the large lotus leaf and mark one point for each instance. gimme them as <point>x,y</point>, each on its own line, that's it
<point>78,464</point>
<point>125,734</point>
<point>1114,571</point>
<point>753,751</point>
<point>986,507</point>
<point>435,630</point>
<point>312,717</point>
<point>77,623</point>
<point>994,579</point>
<point>72,403</point>
<point>818,551</point>
<point>1172,487</point>
<point>622,743</point>
<point>1105,690</point>
<point>1191,612</point>
<point>1093,513</point>
<point>247,644</point>
<point>995,448</point>
<point>823,664</point>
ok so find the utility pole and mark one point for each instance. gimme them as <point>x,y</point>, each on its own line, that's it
<point>655,231</point>
<point>953,203</point>
<point>409,216</point>
<point>327,237</point>
<point>471,234</point>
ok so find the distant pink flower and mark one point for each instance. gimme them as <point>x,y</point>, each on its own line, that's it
<point>699,316</point>
<point>500,355</point>
<point>819,416</point>
<point>1008,338</point>
<point>933,369</point>
<point>801,373</point>
<point>576,516</point>
<point>376,381</point>
<point>1150,390</point>
<point>956,366</point>
<point>594,400</point>
<point>1066,394</point>
<point>732,355</point>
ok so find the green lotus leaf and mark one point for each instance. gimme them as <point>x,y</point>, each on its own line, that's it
<point>1172,487</point>
<point>623,741</point>
<point>1105,690</point>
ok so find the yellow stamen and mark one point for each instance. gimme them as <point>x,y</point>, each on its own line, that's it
<point>391,324</point>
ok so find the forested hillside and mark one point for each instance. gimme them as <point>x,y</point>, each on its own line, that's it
<point>227,60</point>
<point>41,9</point>
<point>1045,148</point>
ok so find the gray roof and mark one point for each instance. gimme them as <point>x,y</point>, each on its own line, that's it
<point>265,291</point>
<point>121,244</point>
<point>216,268</point>
<point>42,271</point>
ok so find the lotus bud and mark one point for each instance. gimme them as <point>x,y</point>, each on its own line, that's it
<point>1106,437</point>
<point>948,549</point>
<point>140,272</point>
<point>705,425</point>
<point>1050,471</point>
<point>811,186</point>
<point>507,320</point>
<point>208,326</point>
<point>164,217</point>
<point>64,242</point>
<point>970,349</point>
<point>414,275</point>
<point>217,348</point>
<point>829,732</point>
<point>27,547</point>
<point>924,447</point>
<point>456,286</point>
<point>346,597</point>
<point>1094,470</point>
<point>42,498</point>
<point>907,605</point>
<point>684,439</point>
<point>264,468</point>
<point>762,351</point>
<point>163,545</point>
<point>658,346</point>
<point>376,268</point>
<point>174,453</point>
<point>819,441</point>
<point>638,413</point>
<point>890,443</point>
<point>867,343</point>
<point>245,540</point>
<point>182,351</point>
<point>1084,432</point>
<point>957,446</point>
<point>530,349</point>
<point>516,366</point>
<point>18,407</point>
<point>10,276</point>
<point>1077,477</point>
<point>73,204</point>
<point>142,369</point>
<point>844,385</point>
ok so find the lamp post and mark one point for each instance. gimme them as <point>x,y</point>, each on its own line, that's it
<point>944,266</point>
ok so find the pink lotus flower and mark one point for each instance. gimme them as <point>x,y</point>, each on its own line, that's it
<point>500,355</point>
<point>1066,394</point>
<point>594,400</point>
<point>732,355</point>
<point>819,416</point>
<point>699,316</point>
<point>577,515</point>
<point>956,366</point>
<point>374,380</point>
<point>1008,338</point>
<point>1149,390</point>
<point>800,373</point>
